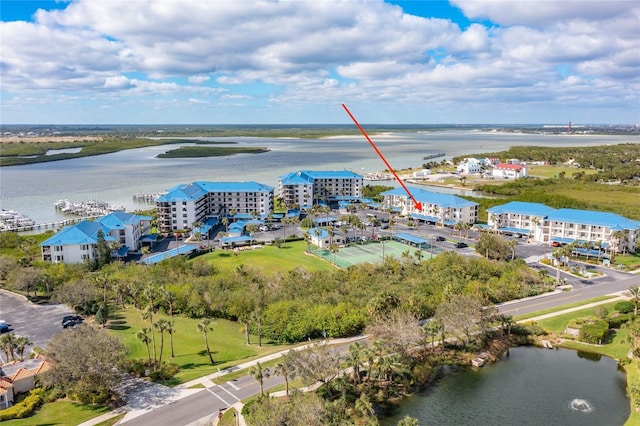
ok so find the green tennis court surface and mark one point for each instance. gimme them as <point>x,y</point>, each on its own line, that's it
<point>372,253</point>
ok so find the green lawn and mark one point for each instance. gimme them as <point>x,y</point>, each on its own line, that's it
<point>226,341</point>
<point>554,171</point>
<point>60,413</point>
<point>561,308</point>
<point>289,256</point>
<point>558,323</point>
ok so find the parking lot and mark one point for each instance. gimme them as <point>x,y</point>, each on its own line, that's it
<point>37,322</point>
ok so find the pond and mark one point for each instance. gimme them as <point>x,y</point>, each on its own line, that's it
<point>530,386</point>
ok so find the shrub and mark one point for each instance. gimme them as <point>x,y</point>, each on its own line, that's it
<point>617,320</point>
<point>594,332</point>
<point>601,312</point>
<point>23,408</point>
<point>624,306</point>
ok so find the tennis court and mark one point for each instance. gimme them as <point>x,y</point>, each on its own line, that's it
<point>370,253</point>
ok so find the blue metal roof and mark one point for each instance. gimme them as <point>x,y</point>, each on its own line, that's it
<point>424,196</point>
<point>319,232</point>
<point>84,232</point>
<point>239,239</point>
<point>410,238</point>
<point>118,220</point>
<point>520,207</point>
<point>515,230</point>
<point>185,249</point>
<point>309,176</point>
<point>587,217</point>
<point>196,190</point>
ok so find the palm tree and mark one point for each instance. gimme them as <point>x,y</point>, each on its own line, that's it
<point>151,294</point>
<point>634,292</point>
<point>619,236</point>
<point>170,329</point>
<point>512,245</point>
<point>333,248</point>
<point>283,368</point>
<point>204,328</point>
<point>259,374</point>
<point>8,343</point>
<point>161,325</point>
<point>143,336</point>
<point>225,222</point>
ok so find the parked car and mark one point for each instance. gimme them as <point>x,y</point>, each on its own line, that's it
<point>4,327</point>
<point>440,238</point>
<point>461,245</point>
<point>71,320</point>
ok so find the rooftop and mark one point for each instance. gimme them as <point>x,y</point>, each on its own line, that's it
<point>424,196</point>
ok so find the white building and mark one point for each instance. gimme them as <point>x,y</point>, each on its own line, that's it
<point>422,174</point>
<point>78,243</point>
<point>470,166</point>
<point>509,171</point>
<point>306,188</point>
<point>321,238</point>
<point>434,207</point>
<point>545,224</point>
<point>184,205</point>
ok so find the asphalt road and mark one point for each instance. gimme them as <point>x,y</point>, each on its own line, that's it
<point>37,322</point>
<point>206,402</point>
<point>583,289</point>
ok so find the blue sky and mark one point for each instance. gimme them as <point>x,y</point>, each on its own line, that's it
<point>247,62</point>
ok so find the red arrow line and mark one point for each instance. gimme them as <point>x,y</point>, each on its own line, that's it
<point>417,205</point>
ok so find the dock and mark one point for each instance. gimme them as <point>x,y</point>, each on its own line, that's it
<point>434,155</point>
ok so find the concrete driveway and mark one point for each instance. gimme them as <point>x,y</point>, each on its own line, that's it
<point>37,322</point>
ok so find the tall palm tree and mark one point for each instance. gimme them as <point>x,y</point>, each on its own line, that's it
<point>151,295</point>
<point>143,336</point>
<point>620,238</point>
<point>634,291</point>
<point>259,374</point>
<point>8,343</point>
<point>356,352</point>
<point>170,329</point>
<point>512,245</point>
<point>283,368</point>
<point>204,328</point>
<point>161,326</point>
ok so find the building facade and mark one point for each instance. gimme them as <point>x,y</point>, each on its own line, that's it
<point>184,205</point>
<point>435,207</point>
<point>510,171</point>
<point>306,187</point>
<point>546,225</point>
<point>78,243</point>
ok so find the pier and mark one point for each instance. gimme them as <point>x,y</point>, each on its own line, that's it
<point>434,155</point>
<point>148,198</point>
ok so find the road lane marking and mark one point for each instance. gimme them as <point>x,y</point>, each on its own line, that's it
<point>218,396</point>
<point>236,398</point>
<point>232,385</point>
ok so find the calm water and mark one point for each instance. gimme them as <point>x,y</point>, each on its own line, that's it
<point>115,178</point>
<point>530,387</point>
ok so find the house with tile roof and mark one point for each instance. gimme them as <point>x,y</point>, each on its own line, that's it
<point>305,188</point>
<point>15,379</point>
<point>186,204</point>
<point>78,243</point>
<point>437,208</point>
<point>509,171</point>
<point>546,225</point>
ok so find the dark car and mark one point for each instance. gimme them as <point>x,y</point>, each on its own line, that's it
<point>440,238</point>
<point>3,326</point>
<point>71,321</point>
<point>461,245</point>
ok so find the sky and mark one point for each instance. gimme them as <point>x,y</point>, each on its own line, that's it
<point>297,61</point>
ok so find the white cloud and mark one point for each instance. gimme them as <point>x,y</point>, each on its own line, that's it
<point>324,52</point>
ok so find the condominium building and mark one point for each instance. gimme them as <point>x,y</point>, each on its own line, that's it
<point>435,207</point>
<point>78,243</point>
<point>545,224</point>
<point>306,187</point>
<point>186,204</point>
